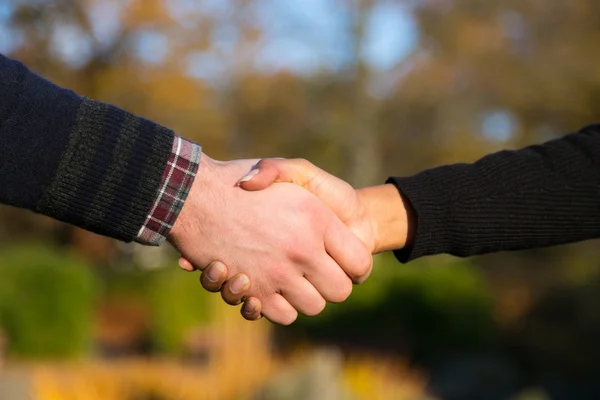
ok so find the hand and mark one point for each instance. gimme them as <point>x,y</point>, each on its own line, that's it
<point>337,194</point>
<point>286,241</point>
<point>379,215</point>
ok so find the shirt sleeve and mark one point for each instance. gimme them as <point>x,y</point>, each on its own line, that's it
<point>175,185</point>
<point>74,159</point>
<point>539,196</point>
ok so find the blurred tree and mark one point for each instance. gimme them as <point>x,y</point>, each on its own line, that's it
<point>498,73</point>
<point>488,75</point>
<point>483,75</point>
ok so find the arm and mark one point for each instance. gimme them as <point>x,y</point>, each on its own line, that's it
<point>74,159</point>
<point>539,196</point>
<point>100,168</point>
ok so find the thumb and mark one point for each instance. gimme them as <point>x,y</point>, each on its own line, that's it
<point>269,171</point>
<point>332,191</point>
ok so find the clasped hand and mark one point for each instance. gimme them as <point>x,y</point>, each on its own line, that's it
<point>280,248</point>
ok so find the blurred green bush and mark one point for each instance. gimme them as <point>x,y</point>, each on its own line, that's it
<point>178,304</point>
<point>424,308</point>
<point>174,300</point>
<point>46,301</point>
<point>429,306</point>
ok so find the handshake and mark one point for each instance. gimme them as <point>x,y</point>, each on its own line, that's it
<point>283,236</point>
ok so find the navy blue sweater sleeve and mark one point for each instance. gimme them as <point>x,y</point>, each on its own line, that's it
<point>80,161</point>
<point>539,196</point>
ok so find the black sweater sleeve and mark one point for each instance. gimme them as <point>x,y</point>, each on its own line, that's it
<point>539,196</point>
<point>80,161</point>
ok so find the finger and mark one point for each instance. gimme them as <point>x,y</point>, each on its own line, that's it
<point>269,171</point>
<point>251,310</point>
<point>303,296</point>
<point>278,310</point>
<point>328,188</point>
<point>348,251</point>
<point>235,289</point>
<point>214,276</point>
<point>330,281</point>
<point>185,265</point>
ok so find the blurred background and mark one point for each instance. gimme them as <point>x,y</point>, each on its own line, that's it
<point>364,89</point>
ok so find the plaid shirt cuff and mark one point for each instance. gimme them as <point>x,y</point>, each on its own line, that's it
<point>174,188</point>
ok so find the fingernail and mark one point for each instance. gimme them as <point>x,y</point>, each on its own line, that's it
<point>248,176</point>
<point>215,272</point>
<point>239,284</point>
<point>250,307</point>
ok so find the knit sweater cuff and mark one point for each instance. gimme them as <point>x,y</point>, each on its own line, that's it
<point>109,175</point>
<point>430,194</point>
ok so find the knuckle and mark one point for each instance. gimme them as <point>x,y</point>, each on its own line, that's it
<point>278,274</point>
<point>364,264</point>
<point>288,318</point>
<point>303,163</point>
<point>297,250</point>
<point>316,308</point>
<point>342,292</point>
<point>278,311</point>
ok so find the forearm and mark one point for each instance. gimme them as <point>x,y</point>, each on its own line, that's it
<point>76,160</point>
<point>539,196</point>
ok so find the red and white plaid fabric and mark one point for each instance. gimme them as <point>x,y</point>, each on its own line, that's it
<point>174,188</point>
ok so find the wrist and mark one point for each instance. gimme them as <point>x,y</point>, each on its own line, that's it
<point>211,189</point>
<point>212,181</point>
<point>206,170</point>
<point>390,216</point>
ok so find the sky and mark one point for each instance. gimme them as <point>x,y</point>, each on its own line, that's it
<point>302,35</point>
<point>307,31</point>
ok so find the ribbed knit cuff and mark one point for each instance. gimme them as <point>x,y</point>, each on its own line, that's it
<point>108,177</point>
<point>434,196</point>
